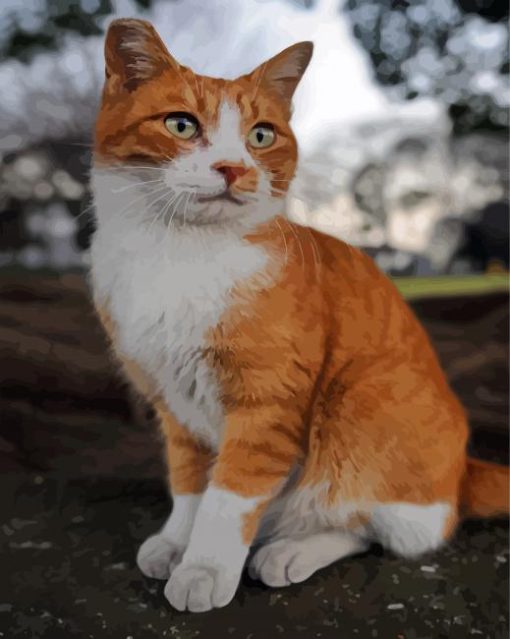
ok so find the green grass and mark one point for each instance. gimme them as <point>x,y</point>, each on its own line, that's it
<point>447,285</point>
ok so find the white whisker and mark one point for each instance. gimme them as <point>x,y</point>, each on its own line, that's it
<point>161,213</point>
<point>284,241</point>
<point>298,240</point>
<point>136,184</point>
<point>157,191</point>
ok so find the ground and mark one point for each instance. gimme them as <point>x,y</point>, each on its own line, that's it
<point>82,485</point>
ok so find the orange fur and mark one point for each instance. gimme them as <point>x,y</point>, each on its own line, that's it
<point>326,367</point>
<point>189,461</point>
<point>342,377</point>
<point>485,489</point>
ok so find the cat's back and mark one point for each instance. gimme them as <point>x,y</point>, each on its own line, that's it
<point>368,312</point>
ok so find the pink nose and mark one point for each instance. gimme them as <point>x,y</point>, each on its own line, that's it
<point>230,171</point>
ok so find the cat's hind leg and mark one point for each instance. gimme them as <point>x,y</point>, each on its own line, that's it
<point>292,560</point>
<point>411,530</point>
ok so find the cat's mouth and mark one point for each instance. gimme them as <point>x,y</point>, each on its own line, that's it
<point>224,196</point>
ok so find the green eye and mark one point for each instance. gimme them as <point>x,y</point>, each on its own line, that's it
<point>182,125</point>
<point>261,136</point>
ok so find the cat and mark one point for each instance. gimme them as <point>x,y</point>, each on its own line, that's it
<point>304,410</point>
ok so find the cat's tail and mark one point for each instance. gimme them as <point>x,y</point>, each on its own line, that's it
<point>485,489</point>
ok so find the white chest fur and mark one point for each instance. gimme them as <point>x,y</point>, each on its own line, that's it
<point>164,290</point>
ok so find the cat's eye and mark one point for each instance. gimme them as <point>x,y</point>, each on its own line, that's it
<point>182,125</point>
<point>261,136</point>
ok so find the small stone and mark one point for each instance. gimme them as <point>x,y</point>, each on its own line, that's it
<point>122,565</point>
<point>428,568</point>
<point>395,606</point>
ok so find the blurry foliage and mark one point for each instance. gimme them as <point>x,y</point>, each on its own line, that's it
<point>41,24</point>
<point>453,50</point>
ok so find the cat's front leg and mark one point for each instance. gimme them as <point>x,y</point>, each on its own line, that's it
<point>189,463</point>
<point>258,451</point>
<point>161,553</point>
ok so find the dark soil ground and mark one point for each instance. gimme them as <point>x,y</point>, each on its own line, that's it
<point>83,484</point>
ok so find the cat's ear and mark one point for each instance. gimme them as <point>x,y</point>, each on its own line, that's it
<point>134,53</point>
<point>282,73</point>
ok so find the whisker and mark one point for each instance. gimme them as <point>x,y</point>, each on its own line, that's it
<point>87,209</point>
<point>123,167</point>
<point>161,213</point>
<point>284,241</point>
<point>132,186</point>
<point>296,235</point>
<point>161,197</point>
<point>172,207</point>
<point>190,195</point>
<point>175,208</point>
<point>163,189</point>
<point>175,203</point>
<point>315,250</point>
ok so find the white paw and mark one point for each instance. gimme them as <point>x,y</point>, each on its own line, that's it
<point>199,588</point>
<point>158,556</point>
<point>282,563</point>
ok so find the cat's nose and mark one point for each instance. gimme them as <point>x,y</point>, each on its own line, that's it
<point>231,171</point>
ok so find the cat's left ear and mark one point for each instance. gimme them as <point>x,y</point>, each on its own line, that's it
<point>282,73</point>
<point>134,53</point>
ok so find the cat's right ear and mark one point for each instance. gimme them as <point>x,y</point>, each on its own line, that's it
<point>134,53</point>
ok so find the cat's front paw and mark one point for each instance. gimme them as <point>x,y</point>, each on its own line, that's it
<point>199,588</point>
<point>158,556</point>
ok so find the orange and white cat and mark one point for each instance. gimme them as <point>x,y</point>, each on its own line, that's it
<point>304,409</point>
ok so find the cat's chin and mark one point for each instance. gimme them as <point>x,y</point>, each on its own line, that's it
<point>225,196</point>
<point>220,213</point>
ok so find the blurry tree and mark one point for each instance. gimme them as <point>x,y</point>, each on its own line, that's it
<point>28,27</point>
<point>453,50</point>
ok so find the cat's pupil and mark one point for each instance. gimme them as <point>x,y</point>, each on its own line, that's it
<point>181,125</point>
<point>260,136</point>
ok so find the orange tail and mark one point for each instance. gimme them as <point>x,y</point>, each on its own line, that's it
<point>485,489</point>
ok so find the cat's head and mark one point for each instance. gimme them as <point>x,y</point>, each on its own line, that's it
<point>195,149</point>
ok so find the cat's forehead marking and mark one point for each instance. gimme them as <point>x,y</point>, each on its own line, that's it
<point>229,119</point>
<point>227,134</point>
